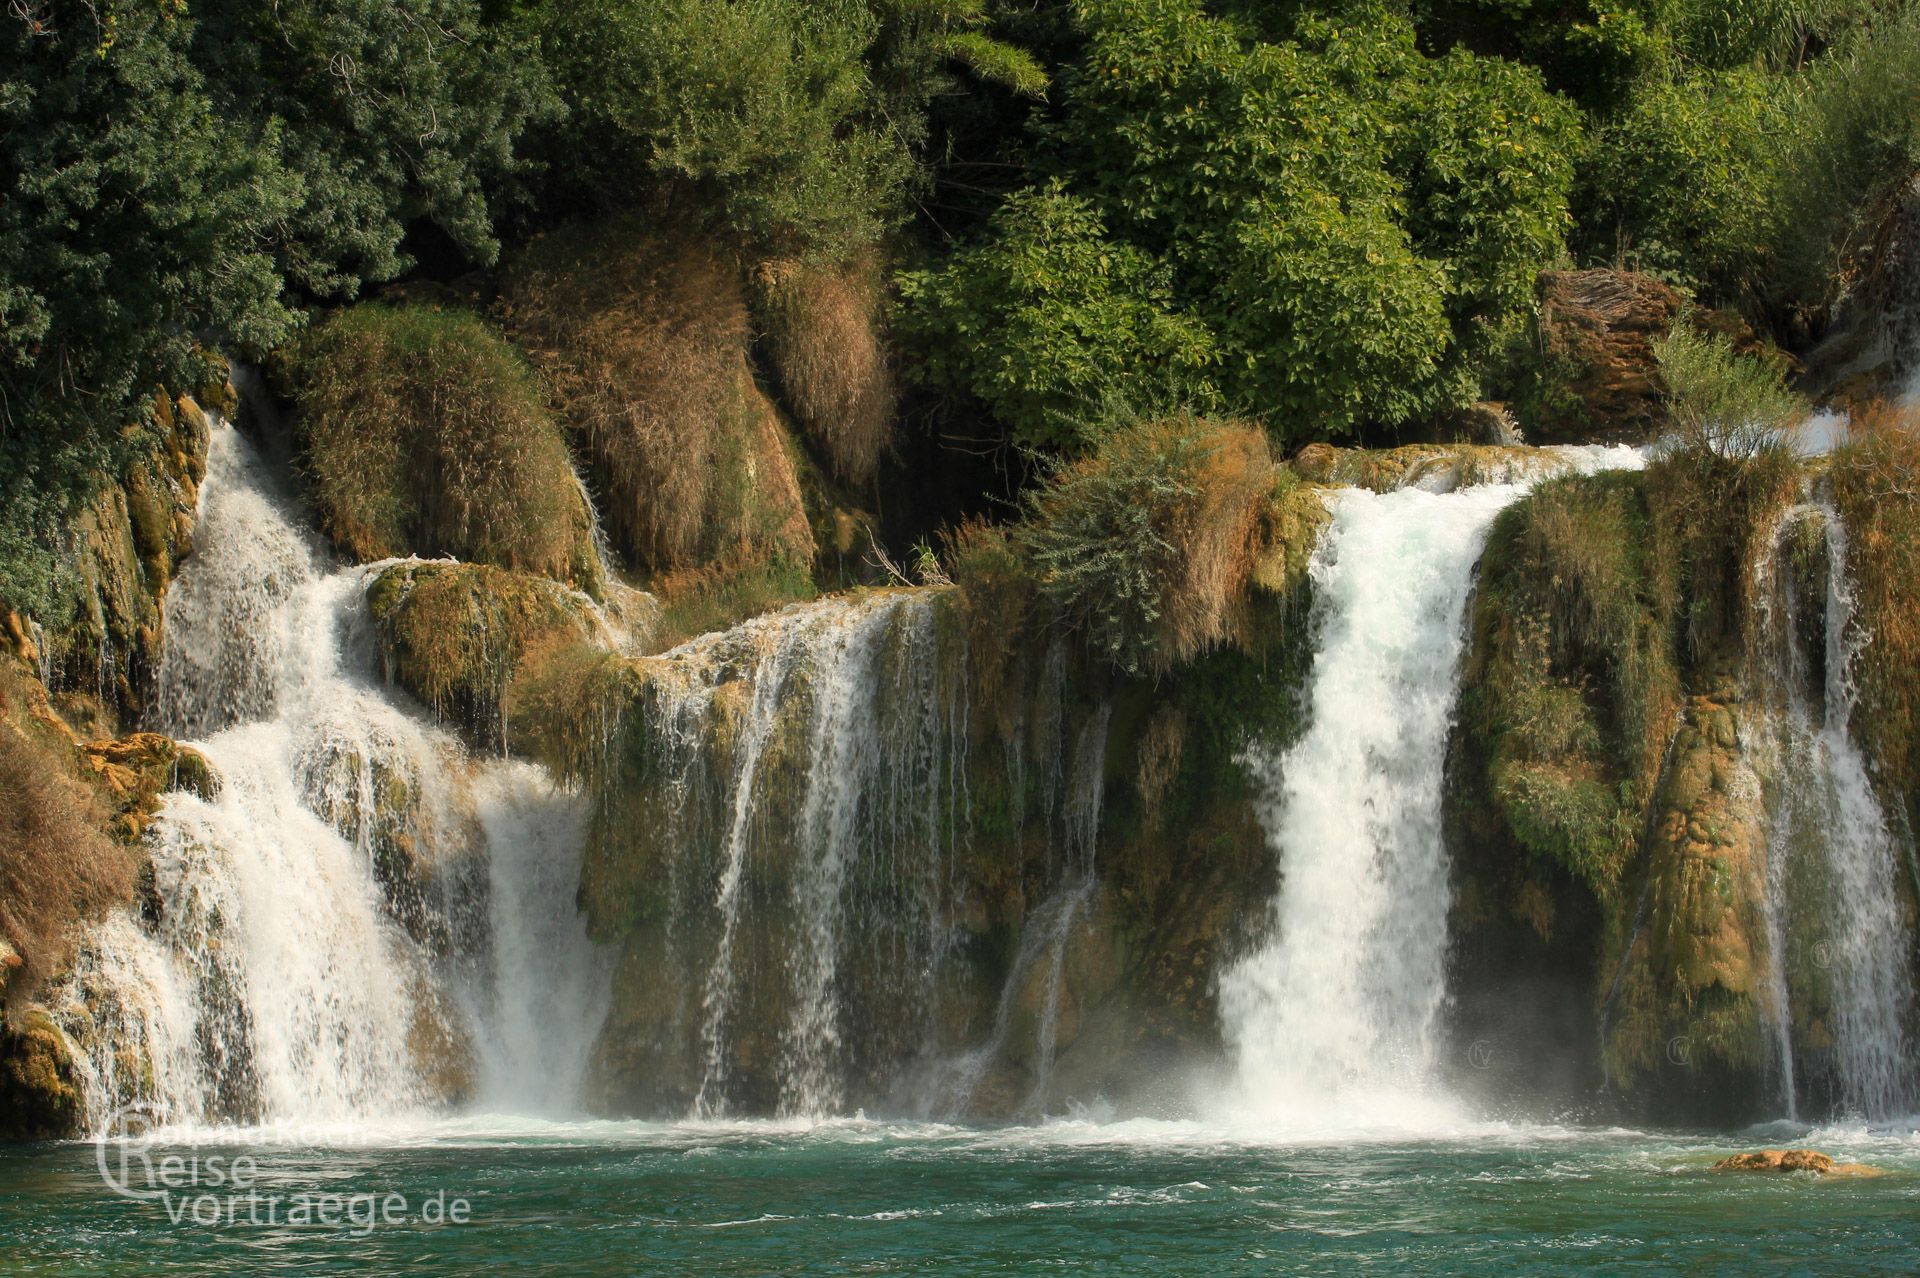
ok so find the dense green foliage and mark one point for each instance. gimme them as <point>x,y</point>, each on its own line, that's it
<point>1323,218</point>
<point>1050,319</point>
<point>182,172</point>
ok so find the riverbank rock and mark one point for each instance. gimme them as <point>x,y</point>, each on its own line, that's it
<point>125,548</point>
<point>1793,1160</point>
<point>1596,379</point>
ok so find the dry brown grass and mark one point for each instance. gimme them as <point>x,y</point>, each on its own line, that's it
<point>57,867</point>
<point>1876,481</point>
<point>424,433</point>
<point>1149,543</point>
<point>644,335</point>
<point>1217,534</point>
<point>824,336</point>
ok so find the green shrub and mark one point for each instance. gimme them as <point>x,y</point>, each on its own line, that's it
<point>423,432</point>
<point>1051,325</point>
<point>1722,402</point>
<point>1679,180</point>
<point>1850,140</point>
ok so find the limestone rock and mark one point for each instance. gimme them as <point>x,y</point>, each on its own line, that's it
<point>40,1095</point>
<point>1793,1160</point>
<point>133,772</point>
<point>128,544</point>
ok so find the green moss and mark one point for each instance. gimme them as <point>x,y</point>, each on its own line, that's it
<point>461,636</point>
<point>39,1090</point>
<point>1572,676</point>
<point>701,603</point>
<point>423,432</point>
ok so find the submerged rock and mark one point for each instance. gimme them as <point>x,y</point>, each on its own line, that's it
<point>1793,1160</point>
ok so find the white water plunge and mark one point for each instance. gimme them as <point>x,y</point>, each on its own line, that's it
<point>1833,901</point>
<point>1333,1020</point>
<point>366,921</point>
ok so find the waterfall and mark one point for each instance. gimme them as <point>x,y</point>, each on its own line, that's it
<point>1839,942</point>
<point>1340,1006</point>
<point>808,769</point>
<point>365,921</point>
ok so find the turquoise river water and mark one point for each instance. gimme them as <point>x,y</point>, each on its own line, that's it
<point>856,1197</point>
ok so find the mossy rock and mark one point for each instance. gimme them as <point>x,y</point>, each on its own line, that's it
<point>1699,955</point>
<point>127,545</point>
<point>424,432</point>
<point>460,637</point>
<point>40,1096</point>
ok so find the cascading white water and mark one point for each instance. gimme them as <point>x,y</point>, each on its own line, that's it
<point>1833,856</point>
<point>811,765</point>
<point>301,968</point>
<point>1336,1013</point>
<point>549,986</point>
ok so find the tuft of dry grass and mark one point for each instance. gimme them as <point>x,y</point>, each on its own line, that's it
<point>1149,543</point>
<point>57,867</point>
<point>644,335</point>
<point>1876,485</point>
<point>825,338</point>
<point>424,432</point>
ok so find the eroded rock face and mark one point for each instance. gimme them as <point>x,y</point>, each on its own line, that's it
<point>1594,335</point>
<point>126,548</point>
<point>1689,1013</point>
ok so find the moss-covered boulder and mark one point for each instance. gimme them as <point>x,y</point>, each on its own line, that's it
<point>823,332</point>
<point>423,432</point>
<point>644,335</point>
<point>1607,825</point>
<point>461,636</point>
<point>1875,491</point>
<point>103,638</point>
<point>40,1097</point>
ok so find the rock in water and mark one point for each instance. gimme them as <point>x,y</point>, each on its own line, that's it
<point>1793,1160</point>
